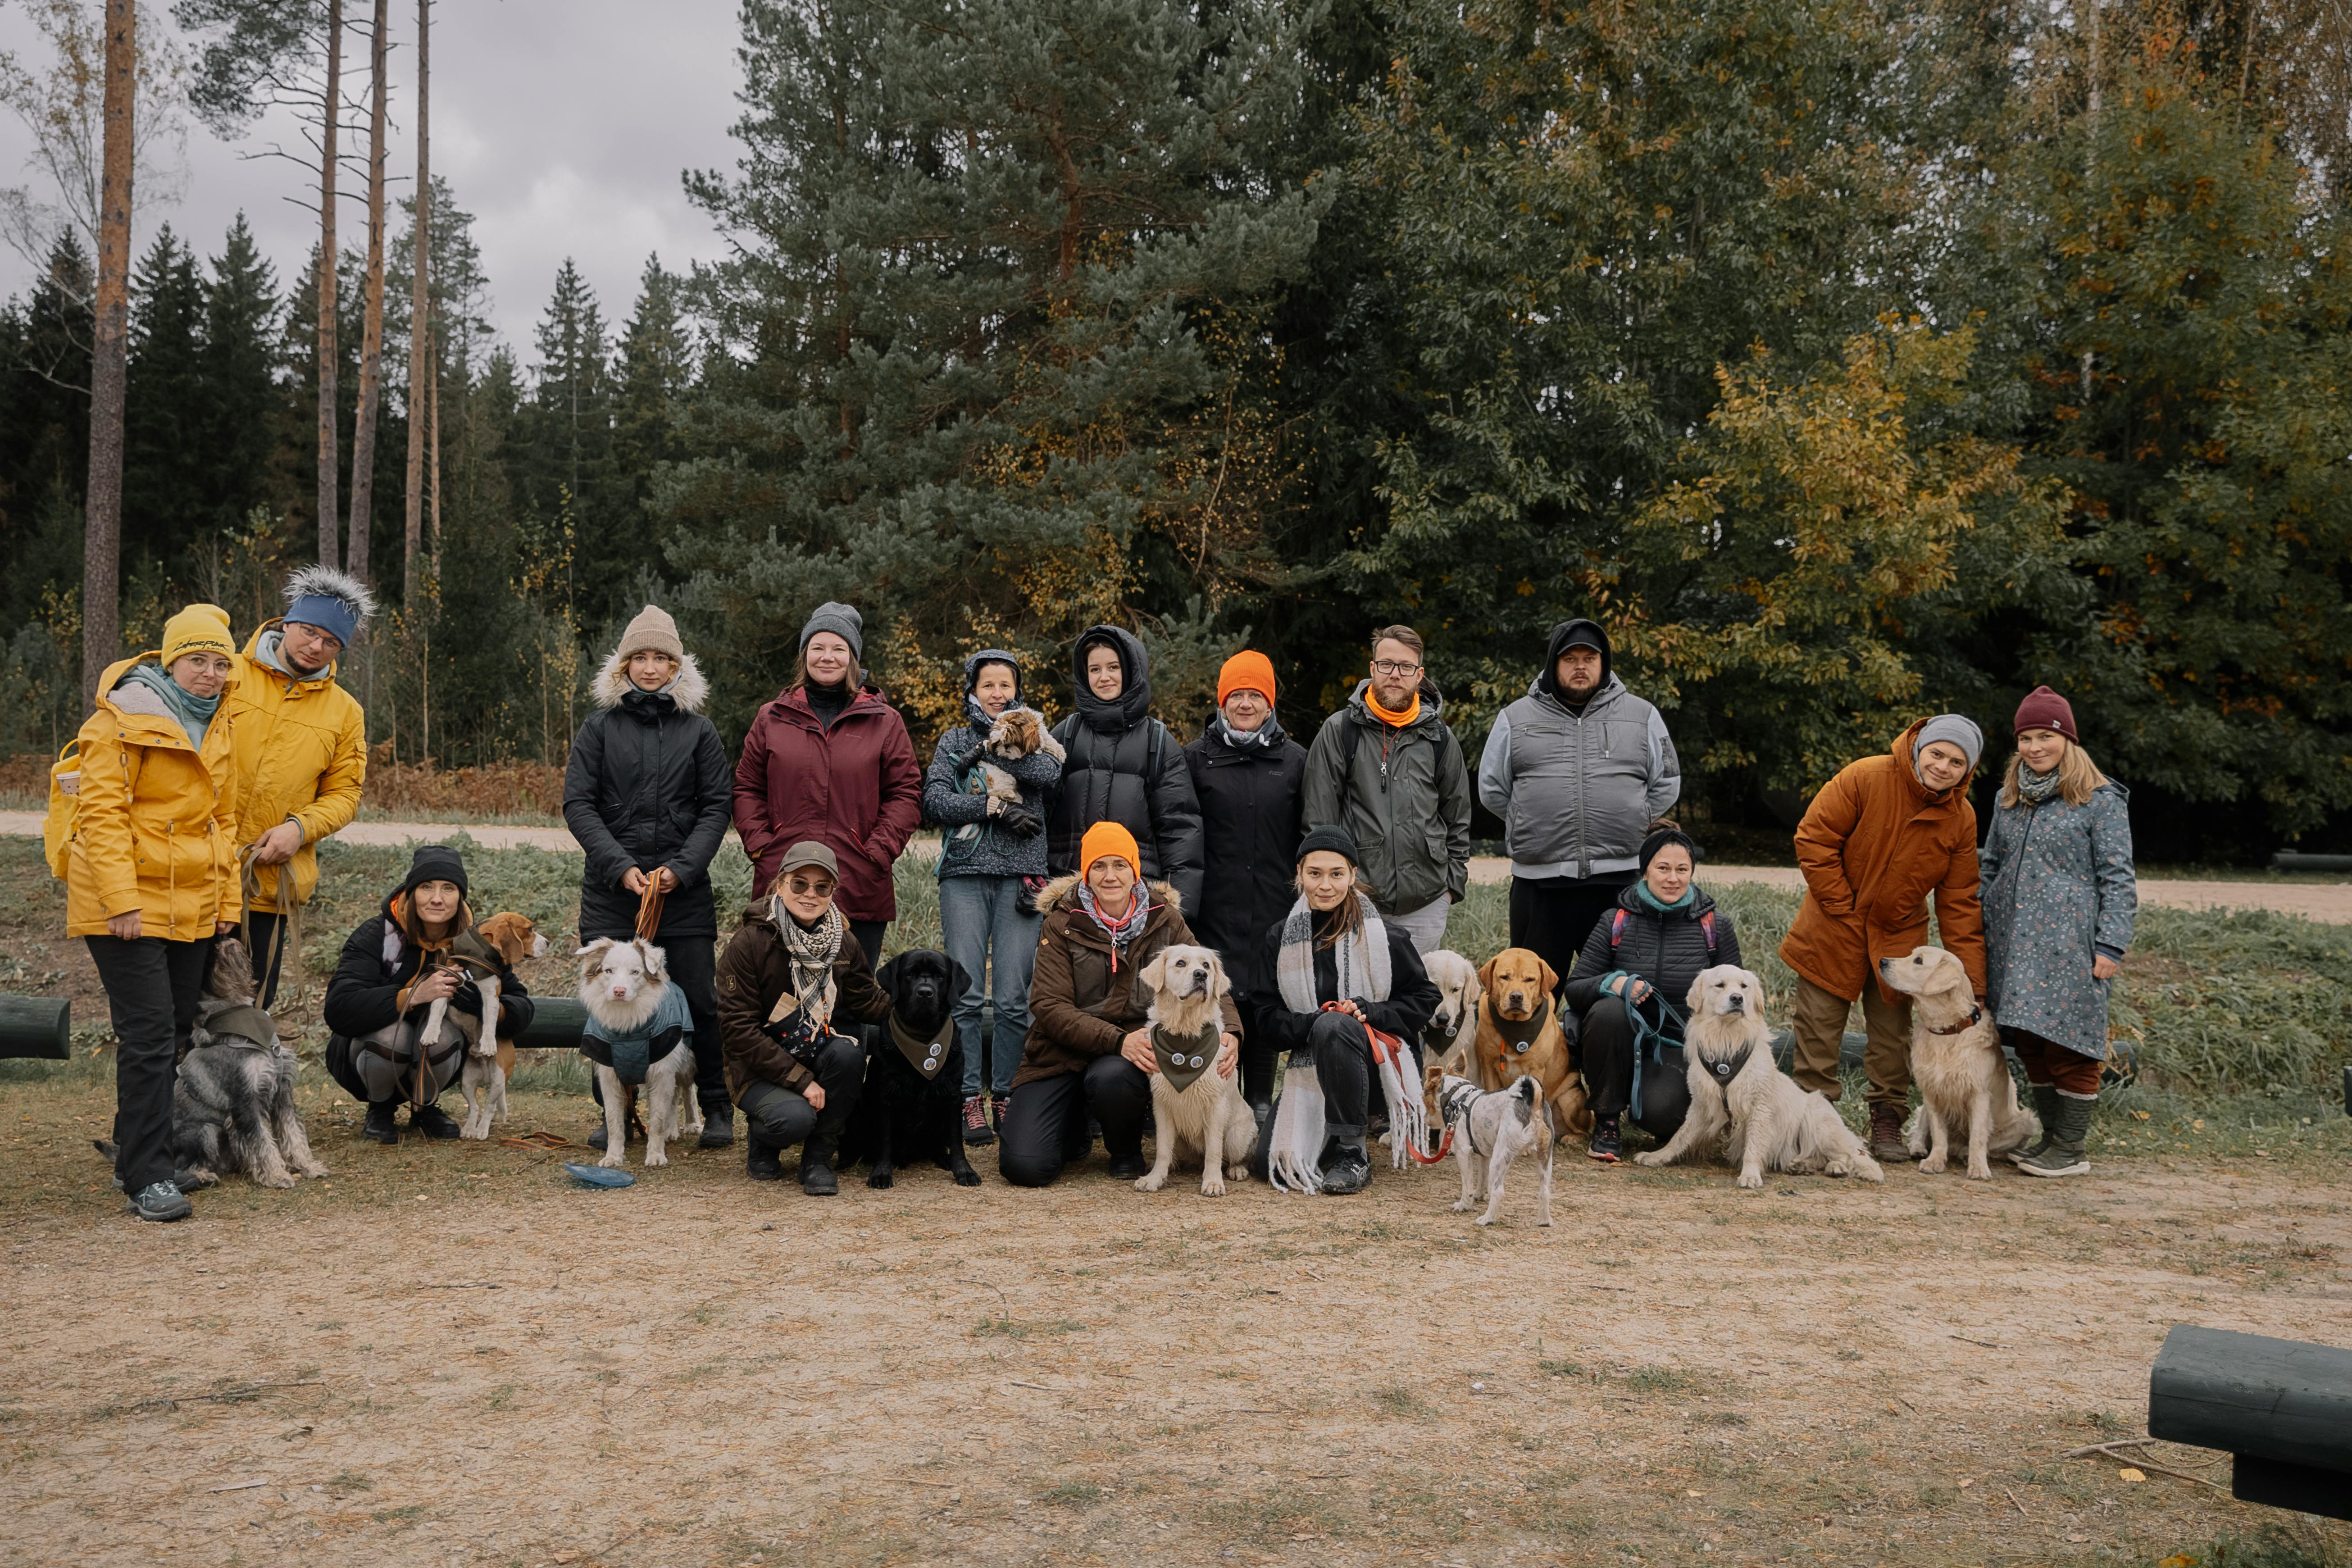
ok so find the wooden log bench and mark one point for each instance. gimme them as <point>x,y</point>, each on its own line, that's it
<point>2281,1408</point>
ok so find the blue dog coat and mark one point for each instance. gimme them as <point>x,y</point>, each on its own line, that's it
<point>631,1055</point>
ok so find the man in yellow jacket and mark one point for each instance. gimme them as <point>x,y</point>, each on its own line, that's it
<point>300,747</point>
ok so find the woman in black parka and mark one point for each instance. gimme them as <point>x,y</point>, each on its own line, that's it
<point>647,793</point>
<point>1644,954</point>
<point>1120,765</point>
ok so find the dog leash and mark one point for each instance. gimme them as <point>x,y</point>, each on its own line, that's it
<point>539,1140</point>
<point>288,910</point>
<point>1647,1036</point>
<point>1389,1050</point>
<point>649,906</point>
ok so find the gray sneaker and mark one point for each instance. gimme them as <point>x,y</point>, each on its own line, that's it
<point>161,1201</point>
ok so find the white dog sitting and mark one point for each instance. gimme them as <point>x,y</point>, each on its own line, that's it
<point>1736,1087</point>
<point>1488,1131</point>
<point>638,1031</point>
<point>1198,1111</point>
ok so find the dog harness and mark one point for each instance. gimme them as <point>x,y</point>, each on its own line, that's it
<point>632,1053</point>
<point>1725,1070</point>
<point>1519,1037</point>
<point>1976,1016</point>
<point>926,1056</point>
<point>1183,1057</point>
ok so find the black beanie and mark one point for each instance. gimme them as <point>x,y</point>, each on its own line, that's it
<point>1660,837</point>
<point>435,863</point>
<point>1336,839</point>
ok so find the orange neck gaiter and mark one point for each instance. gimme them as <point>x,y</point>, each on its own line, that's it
<point>1396,719</point>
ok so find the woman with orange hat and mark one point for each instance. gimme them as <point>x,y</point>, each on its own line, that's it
<point>1250,777</point>
<point>1089,1048</point>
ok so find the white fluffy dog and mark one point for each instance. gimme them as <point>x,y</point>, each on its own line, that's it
<point>1197,1110</point>
<point>623,984</point>
<point>1736,1087</point>
<point>1491,1130</point>
<point>1965,1088</point>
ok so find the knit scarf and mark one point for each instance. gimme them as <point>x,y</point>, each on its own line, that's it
<point>1651,901</point>
<point>811,951</point>
<point>194,713</point>
<point>1265,737</point>
<point>1121,930</point>
<point>2035,789</point>
<point>1398,719</point>
<point>1360,959</point>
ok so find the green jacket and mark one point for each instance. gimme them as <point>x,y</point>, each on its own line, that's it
<point>1404,796</point>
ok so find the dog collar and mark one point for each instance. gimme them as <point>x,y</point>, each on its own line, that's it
<point>1183,1057</point>
<point>1520,1036</point>
<point>926,1056</point>
<point>1976,1016</point>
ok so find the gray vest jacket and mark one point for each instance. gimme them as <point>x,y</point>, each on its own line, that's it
<point>1577,792</point>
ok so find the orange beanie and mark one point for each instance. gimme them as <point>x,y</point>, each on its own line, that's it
<point>1107,838</point>
<point>1248,670</point>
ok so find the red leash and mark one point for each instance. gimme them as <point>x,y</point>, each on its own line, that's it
<point>1389,1050</point>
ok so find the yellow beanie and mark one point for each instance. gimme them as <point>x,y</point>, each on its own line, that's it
<point>199,628</point>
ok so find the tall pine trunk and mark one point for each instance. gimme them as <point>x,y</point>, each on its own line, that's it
<point>330,511</point>
<point>423,363</point>
<point>101,562</point>
<point>355,545</point>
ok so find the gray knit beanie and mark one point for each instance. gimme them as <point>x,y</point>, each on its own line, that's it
<point>653,632</point>
<point>843,621</point>
<point>1954,729</point>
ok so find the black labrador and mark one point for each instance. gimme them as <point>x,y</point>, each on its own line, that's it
<point>905,1114</point>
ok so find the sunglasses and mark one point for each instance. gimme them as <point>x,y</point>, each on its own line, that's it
<point>810,886</point>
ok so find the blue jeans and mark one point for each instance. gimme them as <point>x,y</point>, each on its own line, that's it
<point>978,920</point>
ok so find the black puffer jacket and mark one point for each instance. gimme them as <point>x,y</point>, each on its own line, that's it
<point>1412,997</point>
<point>379,961</point>
<point>1108,774</point>
<point>1668,950</point>
<point>1251,821</point>
<point>647,786</point>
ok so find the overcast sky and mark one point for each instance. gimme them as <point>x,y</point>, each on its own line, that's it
<point>561,125</point>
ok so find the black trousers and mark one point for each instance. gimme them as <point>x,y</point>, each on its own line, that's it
<point>267,950</point>
<point>1045,1128</point>
<point>1606,1047</point>
<point>1341,1053</point>
<point>1552,916</point>
<point>694,970</point>
<point>869,937</point>
<point>152,988</point>
<point>775,1117</point>
<point>1257,1056</point>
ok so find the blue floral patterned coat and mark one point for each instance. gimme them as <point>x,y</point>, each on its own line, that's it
<point>2058,890</point>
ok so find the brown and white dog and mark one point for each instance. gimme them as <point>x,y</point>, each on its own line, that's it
<point>1207,1118</point>
<point>1519,1032</point>
<point>622,984</point>
<point>1017,732</point>
<point>1965,1088</point>
<point>489,1060</point>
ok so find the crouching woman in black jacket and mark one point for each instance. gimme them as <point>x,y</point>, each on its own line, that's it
<point>1333,971</point>
<point>1640,959</point>
<point>377,1006</point>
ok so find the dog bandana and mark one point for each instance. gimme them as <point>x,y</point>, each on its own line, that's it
<point>1183,1057</point>
<point>1520,1036</point>
<point>242,1026</point>
<point>924,1056</point>
<point>632,1051</point>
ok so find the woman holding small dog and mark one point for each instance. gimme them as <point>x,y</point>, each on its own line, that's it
<point>2060,896</point>
<point>1089,1046</point>
<point>1629,983</point>
<point>791,969</point>
<point>151,874</point>
<point>1333,971</point>
<point>994,845</point>
<point>394,968</point>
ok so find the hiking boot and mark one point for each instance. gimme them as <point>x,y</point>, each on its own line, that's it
<point>2045,1109</point>
<point>760,1162</point>
<point>162,1202</point>
<point>1887,1144</point>
<point>433,1122</point>
<point>975,1122</point>
<point>2070,1132</point>
<point>1607,1143</point>
<point>817,1179</point>
<point>597,1141</point>
<point>718,1124</point>
<point>380,1123</point>
<point>1347,1168</point>
<point>1126,1167</point>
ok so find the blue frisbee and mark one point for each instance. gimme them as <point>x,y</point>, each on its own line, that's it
<point>598,1176</point>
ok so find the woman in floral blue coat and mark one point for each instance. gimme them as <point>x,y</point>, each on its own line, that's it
<point>2059,898</point>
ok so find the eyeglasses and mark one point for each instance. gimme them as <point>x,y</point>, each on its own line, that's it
<point>805,887</point>
<point>1390,667</point>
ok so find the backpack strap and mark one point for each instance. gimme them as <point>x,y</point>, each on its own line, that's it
<point>1706,925</point>
<point>1355,733</point>
<point>1617,931</point>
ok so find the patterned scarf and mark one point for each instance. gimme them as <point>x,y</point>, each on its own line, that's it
<point>1361,958</point>
<point>1265,736</point>
<point>2035,789</point>
<point>1121,931</point>
<point>811,951</point>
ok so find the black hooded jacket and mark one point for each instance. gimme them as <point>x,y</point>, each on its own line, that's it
<point>1252,816</point>
<point>647,786</point>
<point>1547,678</point>
<point>1121,765</point>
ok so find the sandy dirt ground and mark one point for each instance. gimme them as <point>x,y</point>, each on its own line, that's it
<point>445,1354</point>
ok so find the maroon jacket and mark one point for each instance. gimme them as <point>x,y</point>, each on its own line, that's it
<point>854,787</point>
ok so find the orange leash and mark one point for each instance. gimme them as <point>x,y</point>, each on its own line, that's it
<point>649,906</point>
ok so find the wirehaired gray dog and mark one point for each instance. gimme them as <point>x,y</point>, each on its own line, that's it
<point>233,1108</point>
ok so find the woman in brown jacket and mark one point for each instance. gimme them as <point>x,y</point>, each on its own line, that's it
<point>1887,832</point>
<point>1089,1051</point>
<point>792,970</point>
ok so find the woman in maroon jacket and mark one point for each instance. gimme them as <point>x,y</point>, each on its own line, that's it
<point>829,760</point>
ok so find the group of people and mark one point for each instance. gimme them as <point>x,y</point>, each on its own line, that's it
<point>1321,874</point>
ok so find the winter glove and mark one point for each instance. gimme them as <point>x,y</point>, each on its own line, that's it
<point>959,761</point>
<point>1025,901</point>
<point>1020,821</point>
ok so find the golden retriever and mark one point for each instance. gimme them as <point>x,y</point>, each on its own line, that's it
<point>1207,1118</point>
<point>1965,1088</point>
<point>1519,1032</point>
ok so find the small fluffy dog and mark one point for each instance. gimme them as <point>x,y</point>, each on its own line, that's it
<point>1491,1128</point>
<point>489,1059</point>
<point>1017,732</point>
<point>1519,1032</point>
<point>1203,1115</point>
<point>233,1106</point>
<point>1965,1088</point>
<point>622,984</point>
<point>913,1105</point>
<point>1736,1087</point>
<point>1445,1044</point>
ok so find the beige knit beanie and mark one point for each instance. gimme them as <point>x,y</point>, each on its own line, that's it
<point>653,631</point>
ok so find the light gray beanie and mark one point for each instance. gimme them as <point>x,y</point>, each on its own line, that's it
<point>843,621</point>
<point>1952,729</point>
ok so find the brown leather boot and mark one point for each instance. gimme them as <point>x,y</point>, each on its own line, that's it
<point>1886,1145</point>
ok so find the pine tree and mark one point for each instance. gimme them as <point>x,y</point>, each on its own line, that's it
<point>242,389</point>
<point>161,452</point>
